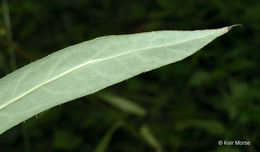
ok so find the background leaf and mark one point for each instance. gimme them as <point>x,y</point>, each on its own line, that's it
<point>104,142</point>
<point>122,103</point>
<point>149,138</point>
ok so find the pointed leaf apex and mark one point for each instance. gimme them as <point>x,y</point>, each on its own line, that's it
<point>230,27</point>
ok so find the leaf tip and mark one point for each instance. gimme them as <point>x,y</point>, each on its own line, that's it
<point>230,27</point>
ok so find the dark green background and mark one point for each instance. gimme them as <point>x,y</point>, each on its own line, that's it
<point>210,96</point>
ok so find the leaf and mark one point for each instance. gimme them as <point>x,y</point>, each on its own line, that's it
<point>149,138</point>
<point>103,144</point>
<point>123,104</point>
<point>90,66</point>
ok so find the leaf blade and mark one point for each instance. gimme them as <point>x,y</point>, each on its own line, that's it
<point>90,66</point>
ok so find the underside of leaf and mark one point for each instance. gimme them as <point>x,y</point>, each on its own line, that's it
<point>90,66</point>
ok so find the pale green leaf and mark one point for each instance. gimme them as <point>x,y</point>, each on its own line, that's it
<point>122,103</point>
<point>90,66</point>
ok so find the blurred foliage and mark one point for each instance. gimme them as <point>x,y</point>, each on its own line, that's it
<point>210,96</point>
